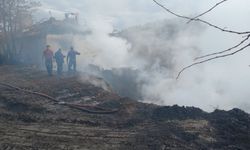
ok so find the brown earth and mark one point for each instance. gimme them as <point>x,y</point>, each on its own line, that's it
<point>32,122</point>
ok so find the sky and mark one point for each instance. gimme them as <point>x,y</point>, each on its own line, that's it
<point>223,83</point>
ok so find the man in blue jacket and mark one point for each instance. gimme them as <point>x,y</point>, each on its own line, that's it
<point>59,61</point>
<point>71,59</point>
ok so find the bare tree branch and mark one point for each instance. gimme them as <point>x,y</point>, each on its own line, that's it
<point>200,20</point>
<point>216,57</point>
<point>247,33</point>
<point>227,50</point>
<point>208,10</point>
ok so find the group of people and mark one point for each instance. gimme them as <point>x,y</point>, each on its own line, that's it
<point>48,56</point>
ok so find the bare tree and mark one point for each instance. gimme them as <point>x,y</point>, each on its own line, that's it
<point>15,16</point>
<point>242,45</point>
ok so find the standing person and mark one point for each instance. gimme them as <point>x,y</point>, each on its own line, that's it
<point>71,59</point>
<point>48,56</point>
<point>59,61</point>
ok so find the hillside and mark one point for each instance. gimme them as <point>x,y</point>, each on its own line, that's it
<point>74,112</point>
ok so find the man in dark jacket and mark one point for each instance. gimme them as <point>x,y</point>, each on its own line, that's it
<point>59,61</point>
<point>71,59</point>
<point>48,56</point>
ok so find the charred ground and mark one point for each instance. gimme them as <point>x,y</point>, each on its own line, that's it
<point>29,121</point>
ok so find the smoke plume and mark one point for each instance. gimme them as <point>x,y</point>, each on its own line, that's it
<point>140,56</point>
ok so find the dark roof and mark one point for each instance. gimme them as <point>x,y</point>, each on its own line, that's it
<point>53,26</point>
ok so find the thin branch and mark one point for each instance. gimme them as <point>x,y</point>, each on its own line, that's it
<point>207,10</point>
<point>214,26</point>
<point>216,57</point>
<point>200,20</point>
<point>227,50</point>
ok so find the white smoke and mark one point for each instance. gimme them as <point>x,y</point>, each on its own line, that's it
<point>160,52</point>
<point>107,51</point>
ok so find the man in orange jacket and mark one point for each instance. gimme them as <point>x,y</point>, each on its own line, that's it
<point>48,56</point>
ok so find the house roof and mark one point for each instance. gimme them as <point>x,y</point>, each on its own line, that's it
<point>53,26</point>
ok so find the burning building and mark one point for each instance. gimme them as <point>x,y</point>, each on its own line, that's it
<point>57,33</point>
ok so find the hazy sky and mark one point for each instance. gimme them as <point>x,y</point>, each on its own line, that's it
<point>131,12</point>
<point>228,78</point>
<point>234,14</point>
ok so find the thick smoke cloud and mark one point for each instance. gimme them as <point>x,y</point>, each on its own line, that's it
<point>158,50</point>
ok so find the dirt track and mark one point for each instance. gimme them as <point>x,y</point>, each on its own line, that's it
<point>30,121</point>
